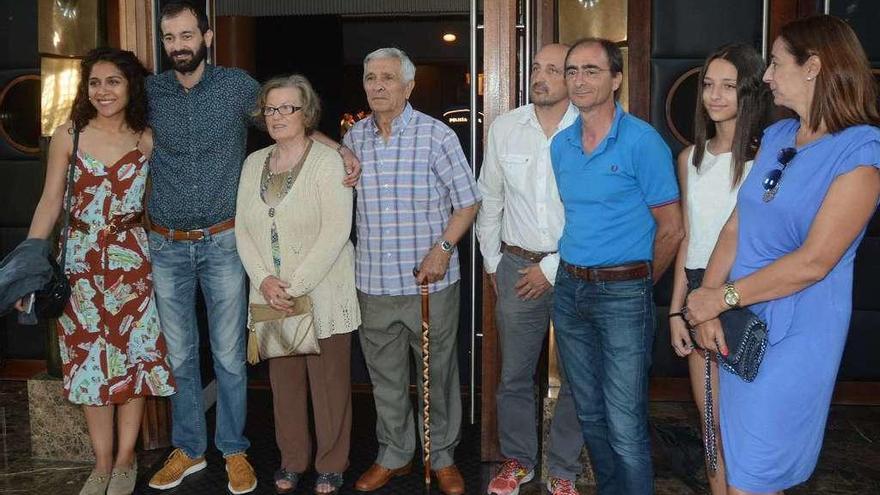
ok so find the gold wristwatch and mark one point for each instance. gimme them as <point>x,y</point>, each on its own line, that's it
<point>731,295</point>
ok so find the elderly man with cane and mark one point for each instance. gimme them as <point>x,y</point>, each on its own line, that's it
<point>417,197</point>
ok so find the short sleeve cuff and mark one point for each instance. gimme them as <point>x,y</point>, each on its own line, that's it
<point>490,263</point>
<point>658,204</point>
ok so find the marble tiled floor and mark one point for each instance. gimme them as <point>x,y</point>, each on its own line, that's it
<point>850,461</point>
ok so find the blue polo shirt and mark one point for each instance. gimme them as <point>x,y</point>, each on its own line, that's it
<point>608,194</point>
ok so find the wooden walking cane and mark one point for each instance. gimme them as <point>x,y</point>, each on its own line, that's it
<point>426,380</point>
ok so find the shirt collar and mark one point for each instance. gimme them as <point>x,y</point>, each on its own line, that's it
<point>573,135</point>
<point>529,117</point>
<point>399,123</point>
<point>171,80</point>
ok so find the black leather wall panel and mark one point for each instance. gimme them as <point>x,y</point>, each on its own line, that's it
<point>18,34</point>
<point>21,183</point>
<point>866,280</point>
<point>863,16</point>
<point>689,29</point>
<point>860,355</point>
<point>664,74</point>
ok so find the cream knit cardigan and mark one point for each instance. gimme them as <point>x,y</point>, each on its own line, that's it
<point>313,222</point>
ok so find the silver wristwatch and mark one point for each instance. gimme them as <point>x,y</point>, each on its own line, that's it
<point>446,246</point>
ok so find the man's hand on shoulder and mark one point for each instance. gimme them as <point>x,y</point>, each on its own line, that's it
<point>352,167</point>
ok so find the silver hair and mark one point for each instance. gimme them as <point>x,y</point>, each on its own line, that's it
<point>407,69</point>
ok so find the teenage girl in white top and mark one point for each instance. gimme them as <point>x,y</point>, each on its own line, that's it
<point>729,120</point>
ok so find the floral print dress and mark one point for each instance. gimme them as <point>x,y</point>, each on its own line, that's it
<point>112,349</point>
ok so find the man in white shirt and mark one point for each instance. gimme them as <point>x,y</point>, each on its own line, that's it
<point>518,227</point>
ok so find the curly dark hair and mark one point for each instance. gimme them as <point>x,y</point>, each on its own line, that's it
<point>136,111</point>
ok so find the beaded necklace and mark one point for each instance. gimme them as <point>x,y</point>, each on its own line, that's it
<point>289,178</point>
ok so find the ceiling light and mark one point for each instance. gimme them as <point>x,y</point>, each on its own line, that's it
<point>449,37</point>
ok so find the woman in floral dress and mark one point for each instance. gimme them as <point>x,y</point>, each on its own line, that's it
<point>112,350</point>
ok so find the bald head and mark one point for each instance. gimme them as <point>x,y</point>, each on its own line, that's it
<point>554,51</point>
<point>548,76</point>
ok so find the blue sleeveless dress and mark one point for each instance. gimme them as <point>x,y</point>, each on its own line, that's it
<point>772,428</point>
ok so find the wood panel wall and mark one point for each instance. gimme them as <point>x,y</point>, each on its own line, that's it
<point>130,27</point>
<point>499,67</point>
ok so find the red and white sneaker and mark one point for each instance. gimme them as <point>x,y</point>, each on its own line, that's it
<point>559,486</point>
<point>509,478</point>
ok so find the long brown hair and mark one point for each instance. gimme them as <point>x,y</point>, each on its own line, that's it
<point>846,92</point>
<point>136,111</point>
<point>752,108</point>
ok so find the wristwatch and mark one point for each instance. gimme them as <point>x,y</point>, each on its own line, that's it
<point>446,246</point>
<point>731,295</point>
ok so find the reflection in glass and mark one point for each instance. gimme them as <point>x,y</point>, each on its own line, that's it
<point>598,19</point>
<point>69,28</point>
<point>60,78</point>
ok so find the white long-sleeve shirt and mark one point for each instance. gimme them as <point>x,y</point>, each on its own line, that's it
<point>521,204</point>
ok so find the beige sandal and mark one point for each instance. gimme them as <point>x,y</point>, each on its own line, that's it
<point>122,481</point>
<point>96,484</point>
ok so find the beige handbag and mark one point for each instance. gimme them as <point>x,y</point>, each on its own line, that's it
<point>273,333</point>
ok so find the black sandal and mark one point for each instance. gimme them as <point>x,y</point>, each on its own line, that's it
<point>285,475</point>
<point>332,479</point>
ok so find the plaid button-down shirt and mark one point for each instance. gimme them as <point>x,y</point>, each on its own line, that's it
<point>406,194</point>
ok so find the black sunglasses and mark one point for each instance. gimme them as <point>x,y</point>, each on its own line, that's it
<point>774,177</point>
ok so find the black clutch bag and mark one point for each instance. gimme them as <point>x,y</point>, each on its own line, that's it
<point>744,332</point>
<point>49,301</point>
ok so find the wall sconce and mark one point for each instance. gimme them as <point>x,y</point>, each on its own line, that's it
<point>449,37</point>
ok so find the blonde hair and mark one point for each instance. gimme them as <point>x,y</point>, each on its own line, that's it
<point>311,103</point>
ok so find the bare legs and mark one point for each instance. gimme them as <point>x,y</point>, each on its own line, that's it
<point>697,367</point>
<point>100,422</point>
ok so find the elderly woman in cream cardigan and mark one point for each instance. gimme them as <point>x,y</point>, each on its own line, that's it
<point>292,229</point>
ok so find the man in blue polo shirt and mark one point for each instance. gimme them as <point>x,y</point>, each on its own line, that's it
<point>622,229</point>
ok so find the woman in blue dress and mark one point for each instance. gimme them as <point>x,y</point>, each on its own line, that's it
<point>787,252</point>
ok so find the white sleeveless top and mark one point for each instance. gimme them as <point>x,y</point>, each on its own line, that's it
<point>710,201</point>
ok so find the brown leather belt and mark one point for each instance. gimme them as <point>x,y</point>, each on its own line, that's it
<point>192,235</point>
<point>119,223</point>
<point>619,273</point>
<point>533,256</point>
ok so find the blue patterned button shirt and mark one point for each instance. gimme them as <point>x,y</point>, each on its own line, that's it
<point>406,194</point>
<point>199,145</point>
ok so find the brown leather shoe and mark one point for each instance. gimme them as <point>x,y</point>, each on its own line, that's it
<point>451,482</point>
<point>377,476</point>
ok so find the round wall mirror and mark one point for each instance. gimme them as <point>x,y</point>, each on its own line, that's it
<point>20,113</point>
<point>680,104</point>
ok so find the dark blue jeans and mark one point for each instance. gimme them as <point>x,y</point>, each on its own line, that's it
<point>605,331</point>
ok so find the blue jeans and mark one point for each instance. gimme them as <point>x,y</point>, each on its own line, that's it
<point>213,264</point>
<point>605,331</point>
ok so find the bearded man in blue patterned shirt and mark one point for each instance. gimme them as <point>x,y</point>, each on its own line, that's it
<point>416,199</point>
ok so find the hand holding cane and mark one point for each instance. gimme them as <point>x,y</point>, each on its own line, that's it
<point>426,379</point>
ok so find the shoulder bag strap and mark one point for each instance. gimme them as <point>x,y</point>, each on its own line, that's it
<point>68,197</point>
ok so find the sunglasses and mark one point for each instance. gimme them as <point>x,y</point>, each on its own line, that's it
<point>774,177</point>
